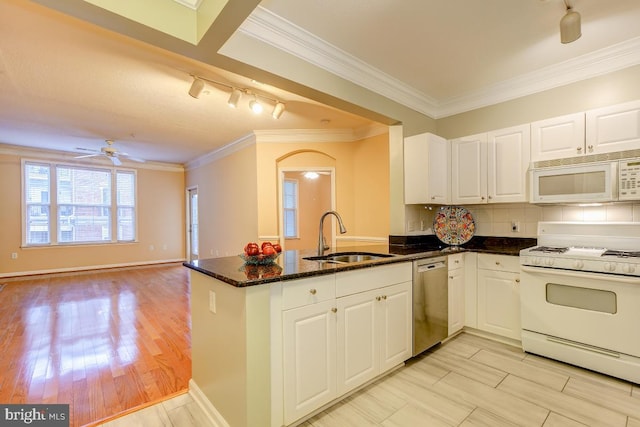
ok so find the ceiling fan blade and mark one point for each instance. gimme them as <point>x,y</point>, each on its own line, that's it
<point>116,161</point>
<point>135,159</point>
<point>87,155</point>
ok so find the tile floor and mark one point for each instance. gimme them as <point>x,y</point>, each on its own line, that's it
<point>468,381</point>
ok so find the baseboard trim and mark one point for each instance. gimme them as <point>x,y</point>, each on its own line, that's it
<point>207,407</point>
<point>53,271</point>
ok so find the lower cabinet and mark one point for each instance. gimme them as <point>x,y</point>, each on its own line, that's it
<point>456,294</point>
<point>332,346</point>
<point>499,295</point>
<point>309,358</point>
<point>374,334</point>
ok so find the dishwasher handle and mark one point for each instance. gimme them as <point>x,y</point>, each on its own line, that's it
<point>431,266</point>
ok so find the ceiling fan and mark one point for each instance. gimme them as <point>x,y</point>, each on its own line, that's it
<point>108,151</point>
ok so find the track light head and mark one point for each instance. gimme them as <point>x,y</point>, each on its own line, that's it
<point>278,109</point>
<point>196,87</point>
<point>234,98</point>
<point>570,27</point>
<point>255,105</point>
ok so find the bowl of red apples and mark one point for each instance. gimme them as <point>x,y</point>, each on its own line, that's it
<point>264,254</point>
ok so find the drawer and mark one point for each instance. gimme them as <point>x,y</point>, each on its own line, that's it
<point>499,262</point>
<point>301,292</point>
<point>456,261</point>
<point>366,279</point>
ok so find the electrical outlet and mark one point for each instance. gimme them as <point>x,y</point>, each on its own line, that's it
<point>14,255</point>
<point>212,302</point>
<point>515,226</point>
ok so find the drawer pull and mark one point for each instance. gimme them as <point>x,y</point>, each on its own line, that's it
<point>384,297</point>
<point>497,262</point>
<point>334,310</point>
<point>378,298</point>
<point>451,277</point>
<point>517,280</point>
<point>312,291</point>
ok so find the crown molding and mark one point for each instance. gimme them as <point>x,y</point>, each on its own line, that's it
<point>224,151</point>
<point>269,28</point>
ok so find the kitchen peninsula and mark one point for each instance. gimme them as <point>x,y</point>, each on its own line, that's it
<point>270,344</point>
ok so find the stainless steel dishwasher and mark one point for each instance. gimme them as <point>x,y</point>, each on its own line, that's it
<point>430,303</point>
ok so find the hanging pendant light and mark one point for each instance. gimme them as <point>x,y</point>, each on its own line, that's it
<point>570,26</point>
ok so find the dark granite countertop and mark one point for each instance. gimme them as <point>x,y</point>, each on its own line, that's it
<point>291,265</point>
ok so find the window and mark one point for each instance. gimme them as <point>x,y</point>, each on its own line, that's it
<point>88,204</point>
<point>290,208</point>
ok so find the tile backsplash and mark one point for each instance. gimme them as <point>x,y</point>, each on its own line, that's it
<point>497,220</point>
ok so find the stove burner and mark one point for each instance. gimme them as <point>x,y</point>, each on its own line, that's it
<point>622,254</point>
<point>549,249</point>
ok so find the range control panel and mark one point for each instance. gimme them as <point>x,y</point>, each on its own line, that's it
<point>629,185</point>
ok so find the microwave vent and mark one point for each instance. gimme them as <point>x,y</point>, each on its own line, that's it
<point>593,158</point>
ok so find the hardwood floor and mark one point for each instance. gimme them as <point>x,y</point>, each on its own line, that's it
<point>104,342</point>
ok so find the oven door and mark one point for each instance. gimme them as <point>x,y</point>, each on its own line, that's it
<point>601,310</point>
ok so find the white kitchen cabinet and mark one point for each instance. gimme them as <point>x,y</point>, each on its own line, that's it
<point>499,295</point>
<point>508,154</point>
<point>374,334</point>
<point>469,169</point>
<point>338,332</point>
<point>491,167</point>
<point>613,128</point>
<point>426,169</point>
<point>456,293</point>
<point>558,137</point>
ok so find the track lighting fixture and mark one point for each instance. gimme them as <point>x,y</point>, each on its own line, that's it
<point>196,87</point>
<point>278,109</point>
<point>570,28</point>
<point>255,105</point>
<point>236,93</point>
<point>234,98</point>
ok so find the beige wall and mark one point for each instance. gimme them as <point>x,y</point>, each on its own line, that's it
<point>160,225</point>
<point>228,207</point>
<point>609,89</point>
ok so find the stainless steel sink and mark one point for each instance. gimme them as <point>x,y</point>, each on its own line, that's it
<point>349,257</point>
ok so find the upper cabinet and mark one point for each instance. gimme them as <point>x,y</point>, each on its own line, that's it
<point>426,169</point>
<point>491,167</point>
<point>602,130</point>
<point>614,128</point>
<point>558,137</point>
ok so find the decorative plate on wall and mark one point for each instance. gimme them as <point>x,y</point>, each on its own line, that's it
<point>454,225</point>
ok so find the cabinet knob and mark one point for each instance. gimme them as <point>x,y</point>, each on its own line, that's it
<point>312,291</point>
<point>481,197</point>
<point>433,197</point>
<point>334,310</point>
<point>497,262</point>
<point>579,149</point>
<point>490,197</point>
<point>517,280</point>
<point>451,277</point>
<point>590,148</point>
<point>378,298</point>
<point>384,297</point>
<point>457,261</point>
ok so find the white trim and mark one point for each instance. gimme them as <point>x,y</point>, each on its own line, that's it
<point>191,4</point>
<point>216,418</point>
<point>276,31</point>
<point>269,238</point>
<point>43,154</point>
<point>224,151</point>
<point>362,239</point>
<point>89,267</point>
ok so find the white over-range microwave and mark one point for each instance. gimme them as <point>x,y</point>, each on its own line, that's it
<point>616,180</point>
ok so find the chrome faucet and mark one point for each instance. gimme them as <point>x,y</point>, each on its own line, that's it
<point>321,246</point>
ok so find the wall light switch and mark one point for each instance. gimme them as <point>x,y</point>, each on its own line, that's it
<point>212,302</point>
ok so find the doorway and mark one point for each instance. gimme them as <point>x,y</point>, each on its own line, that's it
<point>192,223</point>
<point>305,194</point>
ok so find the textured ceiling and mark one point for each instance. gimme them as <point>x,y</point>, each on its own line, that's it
<point>67,83</point>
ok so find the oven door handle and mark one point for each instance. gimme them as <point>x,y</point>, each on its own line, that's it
<point>582,275</point>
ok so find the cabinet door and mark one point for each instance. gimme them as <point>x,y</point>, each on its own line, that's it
<point>499,303</point>
<point>558,137</point>
<point>469,169</point>
<point>358,354</point>
<point>507,164</point>
<point>614,128</point>
<point>396,337</point>
<point>456,300</point>
<point>309,358</point>
<point>426,169</point>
